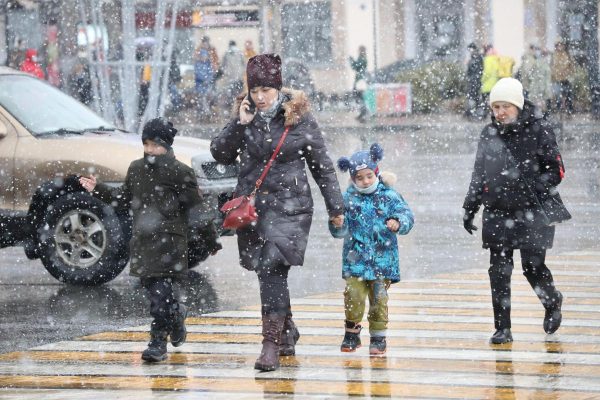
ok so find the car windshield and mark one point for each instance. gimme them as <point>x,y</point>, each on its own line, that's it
<point>42,108</point>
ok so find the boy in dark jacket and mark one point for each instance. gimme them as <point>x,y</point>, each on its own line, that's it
<point>160,191</point>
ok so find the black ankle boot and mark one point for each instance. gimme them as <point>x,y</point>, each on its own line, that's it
<point>157,347</point>
<point>553,316</point>
<point>289,338</point>
<point>351,340</point>
<point>501,336</point>
<point>178,330</point>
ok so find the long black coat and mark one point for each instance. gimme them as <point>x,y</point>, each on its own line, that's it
<point>284,202</point>
<point>160,194</point>
<point>506,185</point>
<point>474,73</point>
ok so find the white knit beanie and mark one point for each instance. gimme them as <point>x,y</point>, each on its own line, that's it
<point>509,90</point>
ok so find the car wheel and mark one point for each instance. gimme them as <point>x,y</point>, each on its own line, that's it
<point>82,241</point>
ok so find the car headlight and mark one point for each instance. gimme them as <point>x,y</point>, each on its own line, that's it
<point>213,170</point>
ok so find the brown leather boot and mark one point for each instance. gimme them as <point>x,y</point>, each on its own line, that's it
<point>272,325</point>
<point>289,337</point>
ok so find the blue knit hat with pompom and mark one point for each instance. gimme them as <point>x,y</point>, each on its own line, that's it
<point>361,160</point>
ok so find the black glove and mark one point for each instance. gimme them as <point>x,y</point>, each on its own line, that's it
<point>468,222</point>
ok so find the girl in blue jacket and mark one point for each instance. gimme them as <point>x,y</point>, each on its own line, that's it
<point>374,214</point>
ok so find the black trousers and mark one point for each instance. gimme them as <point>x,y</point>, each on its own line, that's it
<point>274,291</point>
<point>536,272</point>
<point>164,304</point>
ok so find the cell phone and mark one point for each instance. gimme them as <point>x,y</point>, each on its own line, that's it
<point>252,107</point>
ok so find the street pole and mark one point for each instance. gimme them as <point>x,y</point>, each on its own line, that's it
<point>590,39</point>
<point>375,34</point>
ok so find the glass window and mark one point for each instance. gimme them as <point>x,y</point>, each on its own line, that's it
<point>43,108</point>
<point>307,32</point>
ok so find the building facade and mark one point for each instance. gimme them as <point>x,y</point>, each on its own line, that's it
<point>323,34</point>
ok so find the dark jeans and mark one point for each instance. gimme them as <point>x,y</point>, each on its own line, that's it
<point>536,273</point>
<point>163,302</point>
<point>274,291</point>
<point>564,102</point>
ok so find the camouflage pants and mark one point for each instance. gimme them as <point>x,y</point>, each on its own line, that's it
<point>355,295</point>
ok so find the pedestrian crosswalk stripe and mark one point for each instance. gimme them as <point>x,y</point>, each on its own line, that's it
<point>318,361</point>
<point>437,337</point>
<point>268,386</point>
<point>500,353</point>
<point>425,342</point>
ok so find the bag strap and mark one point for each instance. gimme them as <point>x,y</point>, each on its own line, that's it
<point>270,162</point>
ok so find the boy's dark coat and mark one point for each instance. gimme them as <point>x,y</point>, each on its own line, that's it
<point>159,194</point>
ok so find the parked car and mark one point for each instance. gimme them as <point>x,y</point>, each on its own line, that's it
<point>47,140</point>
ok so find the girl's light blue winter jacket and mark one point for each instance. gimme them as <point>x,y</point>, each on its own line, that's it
<point>370,248</point>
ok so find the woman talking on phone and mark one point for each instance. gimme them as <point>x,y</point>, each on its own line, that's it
<point>268,118</point>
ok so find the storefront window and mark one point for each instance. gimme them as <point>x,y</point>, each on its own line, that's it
<point>307,32</point>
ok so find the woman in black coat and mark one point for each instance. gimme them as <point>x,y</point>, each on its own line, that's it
<point>284,202</point>
<point>517,160</point>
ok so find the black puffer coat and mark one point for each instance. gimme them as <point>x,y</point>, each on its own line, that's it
<point>284,202</point>
<point>505,184</point>
<point>160,195</point>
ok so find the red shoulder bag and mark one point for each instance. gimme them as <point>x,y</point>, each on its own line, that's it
<point>240,211</point>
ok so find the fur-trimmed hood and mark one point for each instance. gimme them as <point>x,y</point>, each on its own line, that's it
<point>388,178</point>
<point>295,105</point>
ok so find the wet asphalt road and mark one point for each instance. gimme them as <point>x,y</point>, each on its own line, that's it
<point>433,166</point>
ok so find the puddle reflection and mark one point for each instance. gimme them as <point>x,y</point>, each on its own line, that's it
<point>505,379</point>
<point>549,374</point>
<point>107,301</point>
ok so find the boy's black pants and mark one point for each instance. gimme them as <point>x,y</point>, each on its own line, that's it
<point>535,270</point>
<point>163,302</point>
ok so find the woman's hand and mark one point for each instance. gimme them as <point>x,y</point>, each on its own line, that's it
<point>245,115</point>
<point>393,225</point>
<point>88,183</point>
<point>338,221</point>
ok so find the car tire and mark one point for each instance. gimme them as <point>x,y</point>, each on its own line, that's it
<point>82,241</point>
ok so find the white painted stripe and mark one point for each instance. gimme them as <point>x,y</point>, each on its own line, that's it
<point>94,394</point>
<point>450,378</point>
<point>405,333</point>
<point>557,272</point>
<point>515,282</point>
<point>440,353</point>
<point>482,292</point>
<point>412,317</point>
<point>584,263</point>
<point>447,304</point>
<point>580,253</point>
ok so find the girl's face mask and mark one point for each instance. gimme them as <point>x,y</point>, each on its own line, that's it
<point>368,189</point>
<point>365,181</point>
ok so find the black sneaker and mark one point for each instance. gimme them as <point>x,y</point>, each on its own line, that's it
<point>351,340</point>
<point>378,345</point>
<point>501,336</point>
<point>178,330</point>
<point>553,316</point>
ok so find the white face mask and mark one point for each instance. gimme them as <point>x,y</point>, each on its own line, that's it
<point>367,190</point>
